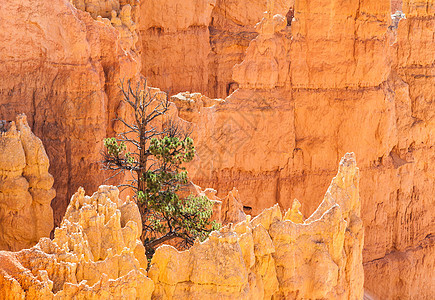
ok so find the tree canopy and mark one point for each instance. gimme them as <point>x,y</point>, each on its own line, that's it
<point>153,149</point>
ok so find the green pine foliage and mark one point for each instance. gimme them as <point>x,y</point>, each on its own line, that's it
<point>157,161</point>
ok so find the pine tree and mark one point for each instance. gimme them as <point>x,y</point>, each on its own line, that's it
<point>155,159</point>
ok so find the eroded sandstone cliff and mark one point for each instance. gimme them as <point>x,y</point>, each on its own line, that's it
<point>354,81</point>
<point>193,45</point>
<point>402,216</point>
<point>96,254</point>
<point>62,69</point>
<point>272,255</point>
<point>175,43</point>
<point>26,187</point>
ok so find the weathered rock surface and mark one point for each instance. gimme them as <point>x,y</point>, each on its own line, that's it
<point>231,30</point>
<point>193,45</point>
<point>123,15</point>
<point>402,219</point>
<point>61,68</point>
<point>267,61</point>
<point>277,143</point>
<point>357,31</point>
<point>403,274</point>
<point>95,254</point>
<point>175,43</point>
<point>271,256</point>
<point>26,187</point>
<point>355,83</point>
<point>396,5</point>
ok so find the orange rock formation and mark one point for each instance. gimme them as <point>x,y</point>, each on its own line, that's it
<point>193,45</point>
<point>96,254</point>
<point>274,256</point>
<point>356,81</point>
<point>177,29</point>
<point>265,65</point>
<point>62,69</point>
<point>25,187</point>
<point>402,217</point>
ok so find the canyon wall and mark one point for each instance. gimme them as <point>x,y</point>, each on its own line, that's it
<point>406,270</point>
<point>26,187</point>
<point>62,69</point>
<point>96,253</point>
<point>193,45</point>
<point>354,82</point>
<point>338,77</point>
<point>232,28</point>
<point>175,43</point>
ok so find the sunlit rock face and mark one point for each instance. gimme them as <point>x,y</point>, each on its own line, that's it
<point>263,66</point>
<point>175,43</point>
<point>26,187</point>
<point>62,68</point>
<point>121,14</point>
<point>95,254</point>
<point>404,220</point>
<point>273,256</point>
<point>356,81</point>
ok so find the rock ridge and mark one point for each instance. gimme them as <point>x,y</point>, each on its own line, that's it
<point>96,253</point>
<point>26,187</point>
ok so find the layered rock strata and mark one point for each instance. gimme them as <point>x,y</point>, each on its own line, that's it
<point>175,43</point>
<point>363,86</point>
<point>123,15</point>
<point>277,142</point>
<point>272,256</point>
<point>232,28</point>
<point>266,63</point>
<point>402,221</point>
<point>62,68</point>
<point>193,45</point>
<point>95,254</point>
<point>26,187</point>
